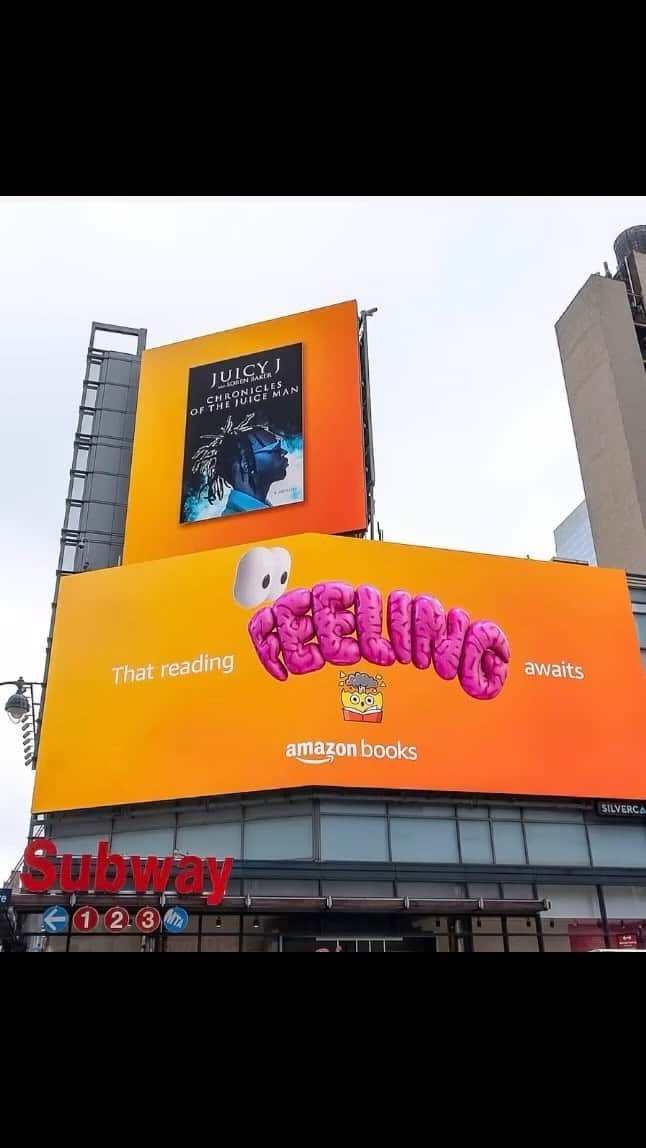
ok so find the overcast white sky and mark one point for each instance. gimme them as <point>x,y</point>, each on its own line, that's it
<point>473,440</point>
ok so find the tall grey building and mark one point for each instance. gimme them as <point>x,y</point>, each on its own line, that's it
<point>573,537</point>
<point>602,342</point>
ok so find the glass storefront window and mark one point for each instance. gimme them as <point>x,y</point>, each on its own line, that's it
<point>618,845</point>
<point>260,933</point>
<point>625,906</point>
<point>93,943</point>
<point>423,840</point>
<point>475,842</point>
<point>211,840</point>
<point>569,936</point>
<point>556,937</point>
<point>181,944</point>
<point>278,838</point>
<point>341,944</point>
<point>229,923</point>
<point>220,933</point>
<point>487,935</point>
<point>573,923</point>
<point>508,843</point>
<point>353,838</point>
<point>625,900</point>
<point>220,943</point>
<point>640,623</point>
<point>557,844</point>
<point>82,843</point>
<point>143,842</point>
<point>570,901</point>
<point>522,935</point>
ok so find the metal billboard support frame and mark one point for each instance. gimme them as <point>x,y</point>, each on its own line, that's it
<point>366,410</point>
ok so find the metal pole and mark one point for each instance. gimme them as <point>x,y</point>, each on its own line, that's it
<point>370,456</point>
<point>33,715</point>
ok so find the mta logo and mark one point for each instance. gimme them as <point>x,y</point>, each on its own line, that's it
<point>175,920</point>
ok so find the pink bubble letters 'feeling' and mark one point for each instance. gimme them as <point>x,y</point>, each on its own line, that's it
<point>347,625</point>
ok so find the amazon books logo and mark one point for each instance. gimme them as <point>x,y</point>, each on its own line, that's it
<point>324,752</point>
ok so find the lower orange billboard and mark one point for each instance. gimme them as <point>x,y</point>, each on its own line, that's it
<point>320,661</point>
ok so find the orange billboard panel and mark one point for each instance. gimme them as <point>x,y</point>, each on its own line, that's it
<point>249,434</point>
<point>322,661</point>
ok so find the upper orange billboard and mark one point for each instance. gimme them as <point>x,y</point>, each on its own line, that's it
<point>249,434</point>
<point>338,662</point>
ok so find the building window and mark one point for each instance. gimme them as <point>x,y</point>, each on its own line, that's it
<point>640,622</point>
<point>508,843</point>
<point>486,935</point>
<point>618,845</point>
<point>522,935</point>
<point>211,840</point>
<point>475,842</point>
<point>626,909</point>
<point>414,839</point>
<point>625,900</point>
<point>220,943</point>
<point>353,838</point>
<point>573,923</point>
<point>556,844</point>
<point>81,843</point>
<point>143,842</point>
<point>278,838</point>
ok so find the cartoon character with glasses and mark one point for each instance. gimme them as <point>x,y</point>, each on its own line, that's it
<point>246,457</point>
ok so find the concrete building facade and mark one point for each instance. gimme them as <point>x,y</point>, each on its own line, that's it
<point>602,343</point>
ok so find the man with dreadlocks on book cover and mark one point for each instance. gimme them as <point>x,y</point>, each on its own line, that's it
<point>243,456</point>
<point>237,459</point>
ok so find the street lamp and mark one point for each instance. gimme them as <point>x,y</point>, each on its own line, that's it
<point>21,710</point>
<point>18,705</point>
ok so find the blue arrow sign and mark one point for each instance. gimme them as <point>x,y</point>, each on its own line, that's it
<point>175,919</point>
<point>5,898</point>
<point>56,919</point>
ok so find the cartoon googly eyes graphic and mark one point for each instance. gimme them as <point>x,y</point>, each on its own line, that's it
<point>282,568</point>
<point>262,575</point>
<point>253,577</point>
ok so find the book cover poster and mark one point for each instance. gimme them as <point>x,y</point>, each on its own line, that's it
<point>243,449</point>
